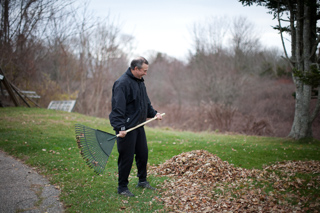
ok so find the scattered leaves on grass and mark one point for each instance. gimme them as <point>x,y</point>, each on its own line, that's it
<point>202,182</point>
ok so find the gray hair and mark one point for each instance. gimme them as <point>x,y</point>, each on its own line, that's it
<point>138,62</point>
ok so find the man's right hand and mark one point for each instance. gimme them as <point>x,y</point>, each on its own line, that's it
<point>122,134</point>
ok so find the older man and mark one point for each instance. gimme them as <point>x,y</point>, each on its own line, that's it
<point>130,107</point>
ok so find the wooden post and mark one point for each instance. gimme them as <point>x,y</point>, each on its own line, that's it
<point>18,92</point>
<point>9,89</point>
<point>25,97</point>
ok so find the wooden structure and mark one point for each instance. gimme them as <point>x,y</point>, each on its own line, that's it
<point>12,91</point>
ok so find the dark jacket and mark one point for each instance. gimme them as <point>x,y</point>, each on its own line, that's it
<point>130,102</point>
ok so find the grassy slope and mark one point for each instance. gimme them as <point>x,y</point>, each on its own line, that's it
<point>45,139</point>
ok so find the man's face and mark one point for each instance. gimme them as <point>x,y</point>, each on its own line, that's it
<point>139,73</point>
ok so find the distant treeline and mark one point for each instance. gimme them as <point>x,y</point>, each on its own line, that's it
<point>62,53</point>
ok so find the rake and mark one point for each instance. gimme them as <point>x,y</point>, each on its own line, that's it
<point>96,145</point>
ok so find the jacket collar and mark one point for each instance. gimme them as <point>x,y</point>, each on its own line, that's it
<point>129,73</point>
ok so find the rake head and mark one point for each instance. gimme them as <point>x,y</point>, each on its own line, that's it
<point>95,145</point>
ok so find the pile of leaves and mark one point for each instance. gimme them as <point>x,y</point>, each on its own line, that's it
<point>201,182</point>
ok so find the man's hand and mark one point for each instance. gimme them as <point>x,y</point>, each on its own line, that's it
<point>122,134</point>
<point>158,116</point>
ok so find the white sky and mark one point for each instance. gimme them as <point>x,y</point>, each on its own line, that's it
<point>166,25</point>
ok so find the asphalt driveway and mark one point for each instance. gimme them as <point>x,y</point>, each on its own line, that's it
<point>22,189</point>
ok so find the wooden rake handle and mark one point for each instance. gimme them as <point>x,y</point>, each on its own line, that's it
<point>144,123</point>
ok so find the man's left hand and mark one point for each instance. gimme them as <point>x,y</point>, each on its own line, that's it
<point>158,116</point>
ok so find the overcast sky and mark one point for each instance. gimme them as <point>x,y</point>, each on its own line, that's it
<point>166,25</point>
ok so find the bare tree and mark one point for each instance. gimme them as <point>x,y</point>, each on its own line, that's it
<point>245,45</point>
<point>23,23</point>
<point>21,20</point>
<point>166,80</point>
<point>214,77</point>
<point>104,64</point>
<point>209,36</point>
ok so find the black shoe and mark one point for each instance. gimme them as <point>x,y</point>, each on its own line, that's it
<point>126,193</point>
<point>145,184</point>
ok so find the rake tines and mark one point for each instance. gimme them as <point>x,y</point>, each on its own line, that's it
<point>95,146</point>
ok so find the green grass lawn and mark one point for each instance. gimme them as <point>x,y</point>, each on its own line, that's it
<point>45,139</point>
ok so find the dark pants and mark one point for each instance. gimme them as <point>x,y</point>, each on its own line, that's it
<point>135,142</point>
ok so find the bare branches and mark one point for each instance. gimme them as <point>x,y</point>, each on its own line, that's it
<point>282,40</point>
<point>209,36</point>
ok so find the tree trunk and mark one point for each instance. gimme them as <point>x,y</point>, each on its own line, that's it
<point>301,127</point>
<point>302,124</point>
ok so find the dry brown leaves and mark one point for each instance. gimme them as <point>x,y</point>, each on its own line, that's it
<point>202,182</point>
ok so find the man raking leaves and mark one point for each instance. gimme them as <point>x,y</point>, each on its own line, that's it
<point>130,107</point>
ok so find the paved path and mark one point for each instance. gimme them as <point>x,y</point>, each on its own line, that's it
<point>22,189</point>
